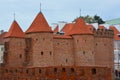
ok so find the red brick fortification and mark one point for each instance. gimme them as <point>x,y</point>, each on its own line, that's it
<point>82,52</point>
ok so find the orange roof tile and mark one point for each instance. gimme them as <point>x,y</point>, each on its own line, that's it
<point>39,24</point>
<point>56,29</point>
<point>15,31</point>
<point>116,32</point>
<point>80,27</point>
<point>90,27</point>
<point>101,27</point>
<point>67,27</point>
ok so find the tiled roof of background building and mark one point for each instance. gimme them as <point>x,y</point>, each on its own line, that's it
<point>101,27</point>
<point>68,27</point>
<point>56,29</point>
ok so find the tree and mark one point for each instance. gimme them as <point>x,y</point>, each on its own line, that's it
<point>98,19</point>
<point>94,19</point>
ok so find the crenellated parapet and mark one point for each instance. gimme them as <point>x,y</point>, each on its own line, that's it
<point>105,33</point>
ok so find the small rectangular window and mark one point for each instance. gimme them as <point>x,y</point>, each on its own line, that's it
<point>63,69</point>
<point>41,52</point>
<point>72,70</point>
<point>93,71</point>
<point>27,71</point>
<point>55,69</point>
<point>40,71</point>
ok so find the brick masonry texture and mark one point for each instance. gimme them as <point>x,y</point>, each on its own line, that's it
<point>40,55</point>
<point>42,50</point>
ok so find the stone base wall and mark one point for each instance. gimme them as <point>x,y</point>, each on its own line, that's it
<point>56,73</point>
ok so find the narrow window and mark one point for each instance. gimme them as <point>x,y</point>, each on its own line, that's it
<point>36,39</point>
<point>96,44</point>
<point>42,53</point>
<point>50,53</point>
<point>92,52</point>
<point>66,60</point>
<point>72,70</point>
<point>93,71</point>
<point>16,70</point>
<point>40,71</point>
<point>55,69</point>
<point>20,56</point>
<point>77,41</point>
<point>63,69</point>
<point>83,52</point>
<point>43,39</point>
<point>27,71</point>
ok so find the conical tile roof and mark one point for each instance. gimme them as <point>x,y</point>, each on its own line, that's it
<point>39,25</point>
<point>15,31</point>
<point>80,28</point>
<point>67,27</point>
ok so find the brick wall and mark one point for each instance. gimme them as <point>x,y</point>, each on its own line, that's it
<point>83,50</point>
<point>63,52</point>
<point>104,48</point>
<point>57,73</point>
<point>41,50</point>
<point>14,52</point>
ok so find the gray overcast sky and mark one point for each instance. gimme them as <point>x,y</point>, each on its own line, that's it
<point>55,10</point>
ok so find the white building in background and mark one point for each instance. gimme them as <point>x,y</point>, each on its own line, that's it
<point>1,53</point>
<point>117,53</point>
<point>60,24</point>
<point>2,33</point>
<point>116,24</point>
